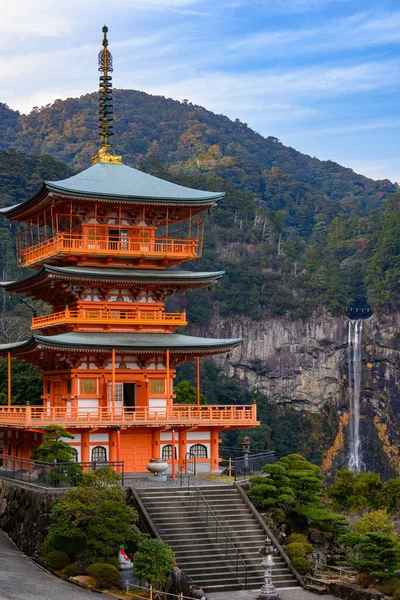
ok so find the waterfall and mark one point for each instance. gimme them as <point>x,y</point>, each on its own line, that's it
<point>354,374</point>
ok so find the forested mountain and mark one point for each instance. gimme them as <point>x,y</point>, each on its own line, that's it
<point>294,233</point>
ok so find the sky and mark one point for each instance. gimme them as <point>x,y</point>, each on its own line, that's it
<point>323,76</point>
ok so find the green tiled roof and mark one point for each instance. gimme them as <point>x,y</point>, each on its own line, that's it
<point>115,274</point>
<point>129,342</point>
<point>120,182</point>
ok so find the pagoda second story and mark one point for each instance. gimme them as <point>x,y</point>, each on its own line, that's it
<point>101,242</point>
<point>111,215</point>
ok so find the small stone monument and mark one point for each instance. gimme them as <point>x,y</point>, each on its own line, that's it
<point>268,590</point>
<point>125,566</point>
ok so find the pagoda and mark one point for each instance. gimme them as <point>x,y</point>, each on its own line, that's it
<point>100,246</point>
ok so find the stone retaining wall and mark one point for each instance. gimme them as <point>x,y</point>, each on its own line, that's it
<point>25,514</point>
<point>351,592</point>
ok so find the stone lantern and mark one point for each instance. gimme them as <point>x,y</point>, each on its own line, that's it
<point>268,590</point>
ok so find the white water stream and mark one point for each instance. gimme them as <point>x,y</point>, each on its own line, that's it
<point>354,374</point>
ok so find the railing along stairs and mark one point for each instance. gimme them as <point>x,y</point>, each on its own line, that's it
<point>204,509</point>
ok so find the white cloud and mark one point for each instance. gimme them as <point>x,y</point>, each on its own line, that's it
<point>360,30</point>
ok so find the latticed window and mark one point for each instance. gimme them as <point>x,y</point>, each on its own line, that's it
<point>167,452</point>
<point>199,450</point>
<point>99,454</point>
<point>119,392</point>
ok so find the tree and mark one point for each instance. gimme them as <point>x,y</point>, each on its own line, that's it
<point>185,393</point>
<point>353,491</point>
<point>93,521</point>
<point>374,553</point>
<point>376,520</point>
<point>26,382</point>
<point>153,562</point>
<point>53,449</point>
<point>292,481</point>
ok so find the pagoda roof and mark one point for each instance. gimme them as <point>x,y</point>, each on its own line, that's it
<point>113,274</point>
<point>127,342</point>
<point>118,182</point>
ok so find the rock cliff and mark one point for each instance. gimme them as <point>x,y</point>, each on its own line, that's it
<point>305,363</point>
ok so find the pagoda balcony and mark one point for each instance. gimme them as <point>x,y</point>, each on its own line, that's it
<point>110,318</point>
<point>177,415</point>
<point>78,245</point>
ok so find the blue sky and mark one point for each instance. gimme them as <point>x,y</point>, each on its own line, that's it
<point>321,75</point>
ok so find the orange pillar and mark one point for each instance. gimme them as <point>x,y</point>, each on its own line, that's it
<point>118,444</point>
<point>168,381</point>
<point>198,380</point>
<point>113,446</point>
<point>9,379</point>
<point>173,462</point>
<point>113,382</point>
<point>85,454</point>
<point>182,450</point>
<point>214,454</point>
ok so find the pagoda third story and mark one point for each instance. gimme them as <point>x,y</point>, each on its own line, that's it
<point>100,246</point>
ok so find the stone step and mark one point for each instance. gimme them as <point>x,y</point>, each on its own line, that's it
<point>181,520</point>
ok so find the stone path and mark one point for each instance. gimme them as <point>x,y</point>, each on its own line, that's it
<point>21,579</point>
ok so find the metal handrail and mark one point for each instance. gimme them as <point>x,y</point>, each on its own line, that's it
<point>209,511</point>
<point>267,530</point>
<point>52,474</point>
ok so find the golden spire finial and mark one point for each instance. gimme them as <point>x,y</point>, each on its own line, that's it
<point>106,152</point>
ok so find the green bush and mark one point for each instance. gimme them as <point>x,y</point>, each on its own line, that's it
<point>110,560</point>
<point>396,595</point>
<point>105,575</point>
<point>297,537</point>
<point>153,561</point>
<point>296,549</point>
<point>56,559</point>
<point>70,571</point>
<point>301,565</point>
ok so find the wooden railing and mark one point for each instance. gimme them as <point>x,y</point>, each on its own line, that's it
<point>77,244</point>
<point>188,415</point>
<point>110,317</point>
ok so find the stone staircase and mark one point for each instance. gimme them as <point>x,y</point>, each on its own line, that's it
<point>203,551</point>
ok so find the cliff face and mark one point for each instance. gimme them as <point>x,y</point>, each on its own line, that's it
<point>306,363</point>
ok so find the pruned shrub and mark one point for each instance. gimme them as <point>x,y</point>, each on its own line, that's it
<point>105,575</point>
<point>56,559</point>
<point>297,537</point>
<point>296,549</point>
<point>396,595</point>
<point>301,565</point>
<point>70,571</point>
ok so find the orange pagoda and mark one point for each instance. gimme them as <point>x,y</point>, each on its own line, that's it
<point>100,246</point>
